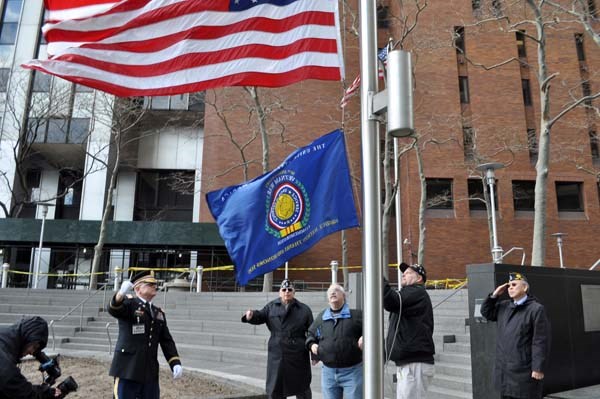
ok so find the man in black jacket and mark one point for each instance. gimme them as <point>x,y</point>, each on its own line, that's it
<point>288,365</point>
<point>522,340</point>
<point>142,327</point>
<point>410,333</point>
<point>27,337</point>
<point>335,338</point>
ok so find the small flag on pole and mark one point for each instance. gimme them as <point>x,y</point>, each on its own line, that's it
<point>267,221</point>
<point>353,88</point>
<point>166,47</point>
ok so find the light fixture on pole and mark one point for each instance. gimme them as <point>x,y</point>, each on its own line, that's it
<point>559,242</point>
<point>490,179</point>
<point>334,270</point>
<point>38,259</point>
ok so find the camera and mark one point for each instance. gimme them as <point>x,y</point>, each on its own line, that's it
<point>50,367</point>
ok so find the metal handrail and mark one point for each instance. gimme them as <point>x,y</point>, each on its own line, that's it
<point>454,292</point>
<point>512,249</point>
<point>109,339</point>
<point>595,264</point>
<point>81,304</point>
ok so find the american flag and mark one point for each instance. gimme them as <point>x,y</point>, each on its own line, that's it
<point>166,47</point>
<point>353,88</point>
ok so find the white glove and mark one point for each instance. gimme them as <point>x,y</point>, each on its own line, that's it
<point>126,286</point>
<point>177,371</point>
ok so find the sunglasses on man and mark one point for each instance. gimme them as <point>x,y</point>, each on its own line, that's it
<point>287,290</point>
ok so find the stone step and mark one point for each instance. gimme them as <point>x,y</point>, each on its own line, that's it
<point>454,383</point>
<point>435,392</point>
<point>453,369</point>
<point>454,358</point>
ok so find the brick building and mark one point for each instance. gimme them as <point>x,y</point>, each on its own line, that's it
<point>465,115</point>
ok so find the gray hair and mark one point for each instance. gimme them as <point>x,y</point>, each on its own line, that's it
<point>336,287</point>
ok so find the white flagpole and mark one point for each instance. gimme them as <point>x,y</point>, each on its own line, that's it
<point>286,270</point>
<point>371,239</point>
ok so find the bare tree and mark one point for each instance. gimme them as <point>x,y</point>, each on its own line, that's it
<point>543,16</point>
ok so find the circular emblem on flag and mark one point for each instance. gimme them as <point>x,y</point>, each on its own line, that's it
<point>286,208</point>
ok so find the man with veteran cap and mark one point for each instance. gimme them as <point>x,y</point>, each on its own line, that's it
<point>142,328</point>
<point>409,340</point>
<point>288,364</point>
<point>522,339</point>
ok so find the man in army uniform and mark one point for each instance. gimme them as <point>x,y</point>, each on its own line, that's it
<point>142,327</point>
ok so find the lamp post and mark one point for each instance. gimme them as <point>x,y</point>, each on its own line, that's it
<point>38,260</point>
<point>559,242</point>
<point>334,270</point>
<point>490,179</point>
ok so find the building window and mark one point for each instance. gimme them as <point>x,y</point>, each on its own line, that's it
<point>439,194</point>
<point>69,194</point>
<point>579,46</point>
<point>10,22</point>
<point>526,91</point>
<point>4,76</point>
<point>587,92</point>
<point>181,102</point>
<point>383,19</point>
<point>58,130</point>
<point>162,195</point>
<point>532,145</point>
<point>459,39</point>
<point>469,143</point>
<point>463,85</point>
<point>496,8</point>
<point>522,52</point>
<point>9,25</point>
<point>477,196</point>
<point>569,196</point>
<point>41,82</point>
<point>594,145</point>
<point>592,8</point>
<point>523,195</point>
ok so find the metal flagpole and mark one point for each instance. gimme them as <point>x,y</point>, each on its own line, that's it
<point>371,238</point>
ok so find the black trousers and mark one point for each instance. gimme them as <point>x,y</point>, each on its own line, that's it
<point>304,395</point>
<point>128,389</point>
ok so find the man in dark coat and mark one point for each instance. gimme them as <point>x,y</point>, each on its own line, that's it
<point>142,328</point>
<point>288,365</point>
<point>410,333</point>
<point>522,341</point>
<point>27,337</point>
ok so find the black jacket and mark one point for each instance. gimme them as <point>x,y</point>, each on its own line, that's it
<point>410,340</point>
<point>337,337</point>
<point>288,366</point>
<point>522,345</point>
<point>136,351</point>
<point>13,340</point>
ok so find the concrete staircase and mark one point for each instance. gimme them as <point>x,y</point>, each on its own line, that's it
<point>211,338</point>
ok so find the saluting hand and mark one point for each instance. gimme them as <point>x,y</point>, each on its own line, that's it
<point>249,314</point>
<point>499,290</point>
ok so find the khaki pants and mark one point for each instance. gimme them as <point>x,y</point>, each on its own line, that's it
<point>413,380</point>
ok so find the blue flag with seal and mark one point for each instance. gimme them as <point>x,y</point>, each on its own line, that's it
<point>274,217</point>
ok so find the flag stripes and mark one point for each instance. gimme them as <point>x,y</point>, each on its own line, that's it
<point>161,47</point>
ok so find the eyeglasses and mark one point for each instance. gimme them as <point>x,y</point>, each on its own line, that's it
<point>287,290</point>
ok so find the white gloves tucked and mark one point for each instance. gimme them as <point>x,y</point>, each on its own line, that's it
<point>126,286</point>
<point>177,371</point>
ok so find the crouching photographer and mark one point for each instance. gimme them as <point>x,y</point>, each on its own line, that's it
<point>29,337</point>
